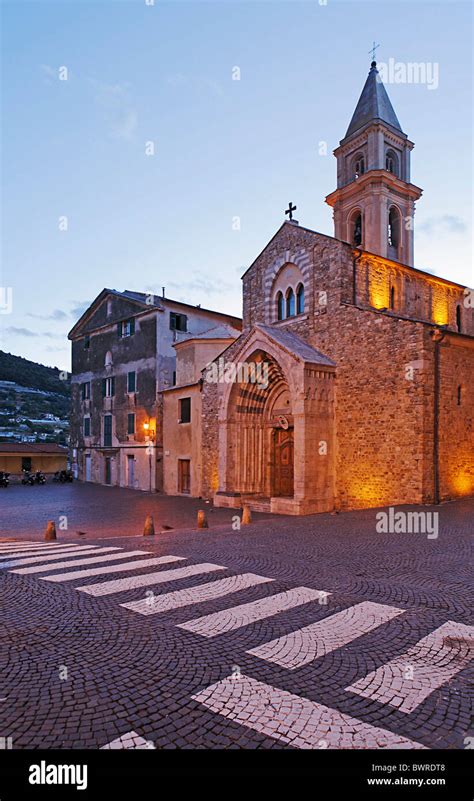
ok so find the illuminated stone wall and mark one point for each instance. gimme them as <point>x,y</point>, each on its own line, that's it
<point>415,295</point>
<point>456,419</point>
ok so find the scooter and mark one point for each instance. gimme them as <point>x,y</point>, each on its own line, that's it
<point>28,478</point>
<point>4,479</point>
<point>63,476</point>
<point>40,478</point>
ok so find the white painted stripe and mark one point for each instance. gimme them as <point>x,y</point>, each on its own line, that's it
<point>238,616</point>
<point>100,571</point>
<point>407,680</point>
<point>132,582</point>
<point>73,563</point>
<point>8,546</point>
<point>130,740</point>
<point>293,720</point>
<point>52,557</point>
<point>47,550</point>
<point>195,595</point>
<point>310,642</point>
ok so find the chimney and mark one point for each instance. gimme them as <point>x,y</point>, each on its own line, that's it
<point>162,291</point>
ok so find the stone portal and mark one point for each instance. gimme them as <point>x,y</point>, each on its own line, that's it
<point>276,435</point>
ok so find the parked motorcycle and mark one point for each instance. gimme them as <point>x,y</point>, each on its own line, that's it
<point>27,478</point>
<point>63,476</point>
<point>40,477</point>
<point>4,479</point>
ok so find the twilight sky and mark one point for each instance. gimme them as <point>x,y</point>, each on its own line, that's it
<point>223,148</point>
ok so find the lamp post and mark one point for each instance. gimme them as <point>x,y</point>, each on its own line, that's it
<point>150,436</point>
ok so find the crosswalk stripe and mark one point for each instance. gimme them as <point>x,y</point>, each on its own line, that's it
<point>111,557</point>
<point>137,564</point>
<point>47,550</point>
<point>242,615</point>
<point>53,557</point>
<point>310,642</point>
<point>195,595</point>
<point>291,719</point>
<point>132,582</point>
<point>407,680</point>
<point>20,546</point>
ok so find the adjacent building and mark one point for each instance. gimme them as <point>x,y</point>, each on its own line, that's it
<point>184,451</point>
<point>17,457</point>
<point>123,358</point>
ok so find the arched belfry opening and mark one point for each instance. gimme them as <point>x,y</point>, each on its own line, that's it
<point>260,448</point>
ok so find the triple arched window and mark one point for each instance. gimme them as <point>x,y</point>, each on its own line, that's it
<point>290,303</point>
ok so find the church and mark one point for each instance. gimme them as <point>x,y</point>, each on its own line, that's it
<point>360,391</point>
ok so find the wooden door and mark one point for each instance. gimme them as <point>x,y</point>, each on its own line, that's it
<point>283,471</point>
<point>184,476</point>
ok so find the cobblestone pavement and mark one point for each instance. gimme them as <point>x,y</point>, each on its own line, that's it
<point>98,510</point>
<point>312,632</point>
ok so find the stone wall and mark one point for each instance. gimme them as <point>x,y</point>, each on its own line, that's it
<point>416,295</point>
<point>456,418</point>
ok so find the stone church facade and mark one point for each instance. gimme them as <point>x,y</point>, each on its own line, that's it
<point>369,398</point>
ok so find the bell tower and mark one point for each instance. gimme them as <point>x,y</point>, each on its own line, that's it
<point>374,203</point>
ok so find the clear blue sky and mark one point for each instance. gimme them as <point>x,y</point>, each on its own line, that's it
<point>223,148</point>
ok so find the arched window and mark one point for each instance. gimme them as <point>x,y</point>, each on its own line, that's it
<point>391,162</point>
<point>290,303</point>
<point>300,299</point>
<point>108,359</point>
<point>280,306</point>
<point>458,319</point>
<point>358,165</point>
<point>393,233</point>
<point>356,229</point>
<point>459,394</point>
<point>392,297</point>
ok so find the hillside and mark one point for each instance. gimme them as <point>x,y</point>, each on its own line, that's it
<point>34,401</point>
<point>31,374</point>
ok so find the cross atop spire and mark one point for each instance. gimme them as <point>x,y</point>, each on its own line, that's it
<point>373,49</point>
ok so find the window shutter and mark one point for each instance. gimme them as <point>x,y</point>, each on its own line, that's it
<point>119,329</point>
<point>132,326</point>
<point>104,387</point>
<point>112,389</point>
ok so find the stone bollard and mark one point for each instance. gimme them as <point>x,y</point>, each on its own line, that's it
<point>246,515</point>
<point>149,529</point>
<point>50,533</point>
<point>202,519</point>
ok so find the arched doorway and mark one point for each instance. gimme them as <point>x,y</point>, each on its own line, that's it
<point>260,450</point>
<point>270,429</point>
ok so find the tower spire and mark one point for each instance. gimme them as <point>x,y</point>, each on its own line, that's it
<point>373,104</point>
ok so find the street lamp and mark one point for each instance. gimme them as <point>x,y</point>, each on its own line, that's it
<point>150,436</point>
